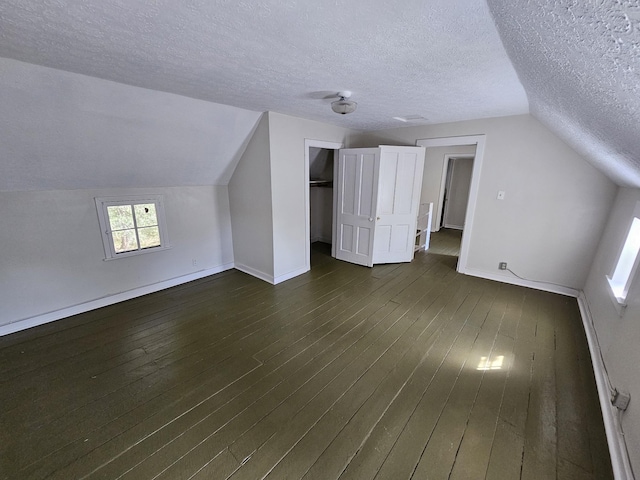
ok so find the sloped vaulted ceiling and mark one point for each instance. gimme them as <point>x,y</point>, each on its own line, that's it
<point>439,59</point>
<point>578,61</point>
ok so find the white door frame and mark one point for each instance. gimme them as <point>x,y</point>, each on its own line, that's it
<point>308,143</point>
<point>479,142</point>
<point>443,185</point>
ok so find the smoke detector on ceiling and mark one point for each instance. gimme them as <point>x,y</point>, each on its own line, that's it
<point>344,105</point>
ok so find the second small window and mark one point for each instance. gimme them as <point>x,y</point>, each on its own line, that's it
<point>131,225</point>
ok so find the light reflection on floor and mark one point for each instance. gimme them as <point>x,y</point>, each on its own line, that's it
<point>491,364</point>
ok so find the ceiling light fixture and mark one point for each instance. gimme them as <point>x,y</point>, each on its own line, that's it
<point>344,105</point>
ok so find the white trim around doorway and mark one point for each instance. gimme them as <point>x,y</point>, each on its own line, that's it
<point>308,143</point>
<point>479,142</point>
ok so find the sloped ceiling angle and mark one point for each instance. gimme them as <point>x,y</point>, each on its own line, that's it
<point>578,61</point>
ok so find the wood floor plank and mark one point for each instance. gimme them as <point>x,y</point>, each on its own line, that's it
<point>104,320</point>
<point>277,377</point>
<point>540,459</point>
<point>250,386</point>
<point>516,399</point>
<point>221,466</point>
<point>359,313</point>
<point>384,436</point>
<point>406,453</point>
<point>266,457</point>
<point>342,372</point>
<point>505,460</point>
<point>443,445</point>
<point>154,364</point>
<point>356,421</point>
<point>222,433</point>
<point>241,452</point>
<point>337,456</point>
<point>97,446</point>
<point>93,361</point>
<point>600,460</point>
<point>573,445</point>
<point>263,423</point>
<point>473,454</point>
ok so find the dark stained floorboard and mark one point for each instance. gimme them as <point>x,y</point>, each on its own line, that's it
<point>399,371</point>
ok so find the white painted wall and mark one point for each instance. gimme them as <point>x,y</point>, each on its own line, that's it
<point>60,130</point>
<point>251,206</point>
<point>66,138</point>
<point>619,336</point>
<point>321,210</point>
<point>321,198</point>
<point>288,184</point>
<point>53,258</point>
<point>320,163</point>
<point>556,205</point>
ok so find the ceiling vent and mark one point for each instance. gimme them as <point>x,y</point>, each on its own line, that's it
<point>412,119</point>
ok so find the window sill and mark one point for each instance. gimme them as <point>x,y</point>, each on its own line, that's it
<point>618,302</point>
<point>135,253</point>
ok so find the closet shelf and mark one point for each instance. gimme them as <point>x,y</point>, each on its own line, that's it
<point>320,183</point>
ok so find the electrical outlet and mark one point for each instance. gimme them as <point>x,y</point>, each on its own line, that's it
<point>502,266</point>
<point>194,262</point>
<point>620,400</point>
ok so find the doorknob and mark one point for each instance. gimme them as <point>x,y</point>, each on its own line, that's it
<point>377,218</point>
<point>370,219</point>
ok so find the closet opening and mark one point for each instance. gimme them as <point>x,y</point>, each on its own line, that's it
<point>320,163</point>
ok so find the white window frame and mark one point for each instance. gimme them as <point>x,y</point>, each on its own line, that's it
<point>627,263</point>
<point>102,203</point>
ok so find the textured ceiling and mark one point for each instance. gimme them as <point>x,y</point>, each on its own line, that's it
<point>441,59</point>
<point>578,61</point>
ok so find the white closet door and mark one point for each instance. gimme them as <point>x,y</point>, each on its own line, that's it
<point>357,191</point>
<point>399,187</point>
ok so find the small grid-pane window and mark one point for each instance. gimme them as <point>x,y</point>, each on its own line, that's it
<point>131,225</point>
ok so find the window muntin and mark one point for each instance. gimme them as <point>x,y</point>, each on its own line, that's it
<point>131,225</point>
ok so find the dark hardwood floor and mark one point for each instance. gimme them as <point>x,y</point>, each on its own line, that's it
<point>395,372</point>
<point>446,241</point>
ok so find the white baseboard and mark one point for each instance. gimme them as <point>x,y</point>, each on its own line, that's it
<point>255,273</point>
<point>289,275</point>
<point>545,287</point>
<point>617,449</point>
<point>321,238</point>
<point>34,321</point>
<point>270,278</point>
